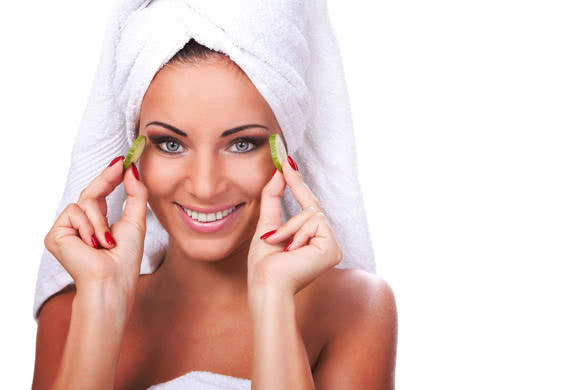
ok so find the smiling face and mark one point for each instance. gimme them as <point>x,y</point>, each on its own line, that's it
<point>209,164</point>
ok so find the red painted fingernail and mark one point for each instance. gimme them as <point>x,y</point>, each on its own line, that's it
<point>109,239</point>
<point>135,171</point>
<point>267,234</point>
<point>292,163</point>
<point>274,172</point>
<point>94,241</point>
<point>288,246</point>
<point>115,160</point>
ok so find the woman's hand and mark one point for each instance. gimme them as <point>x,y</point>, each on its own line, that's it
<point>70,238</point>
<point>313,249</point>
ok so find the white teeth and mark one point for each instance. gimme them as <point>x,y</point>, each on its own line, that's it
<point>209,217</point>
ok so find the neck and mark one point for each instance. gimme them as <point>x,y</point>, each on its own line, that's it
<point>181,280</point>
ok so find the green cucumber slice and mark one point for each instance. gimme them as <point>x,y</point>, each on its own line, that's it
<point>277,151</point>
<point>135,151</point>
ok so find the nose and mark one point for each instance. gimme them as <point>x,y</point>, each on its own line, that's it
<point>205,176</point>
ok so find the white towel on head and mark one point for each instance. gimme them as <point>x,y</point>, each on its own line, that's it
<point>288,50</point>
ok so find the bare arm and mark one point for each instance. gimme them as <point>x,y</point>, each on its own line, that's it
<point>280,357</point>
<point>92,348</point>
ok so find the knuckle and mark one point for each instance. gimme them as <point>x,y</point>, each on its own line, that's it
<point>82,204</point>
<point>141,231</point>
<point>48,239</point>
<point>83,194</point>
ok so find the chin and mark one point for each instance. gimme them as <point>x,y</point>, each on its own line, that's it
<point>208,251</point>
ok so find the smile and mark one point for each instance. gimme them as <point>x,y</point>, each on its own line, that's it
<point>209,217</point>
<point>213,222</point>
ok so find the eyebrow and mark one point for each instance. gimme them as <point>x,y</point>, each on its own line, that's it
<point>224,134</point>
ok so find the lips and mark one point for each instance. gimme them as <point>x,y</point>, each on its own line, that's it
<point>209,210</point>
<point>208,227</point>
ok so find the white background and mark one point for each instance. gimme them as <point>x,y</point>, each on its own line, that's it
<point>469,119</point>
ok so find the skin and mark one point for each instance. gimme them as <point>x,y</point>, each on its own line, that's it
<point>327,336</point>
<point>203,100</point>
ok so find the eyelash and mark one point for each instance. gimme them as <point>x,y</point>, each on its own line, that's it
<point>256,141</point>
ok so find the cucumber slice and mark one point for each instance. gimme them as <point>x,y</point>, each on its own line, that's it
<point>277,151</point>
<point>135,151</point>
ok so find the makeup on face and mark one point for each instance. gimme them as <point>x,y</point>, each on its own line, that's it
<point>224,134</point>
<point>220,220</point>
<point>158,139</point>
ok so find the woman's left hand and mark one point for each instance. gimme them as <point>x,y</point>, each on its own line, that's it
<point>313,249</point>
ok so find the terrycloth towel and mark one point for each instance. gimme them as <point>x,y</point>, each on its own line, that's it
<point>288,50</point>
<point>204,380</point>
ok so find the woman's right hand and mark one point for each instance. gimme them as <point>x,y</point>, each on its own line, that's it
<point>116,264</point>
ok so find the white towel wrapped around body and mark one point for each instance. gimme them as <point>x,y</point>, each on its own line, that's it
<point>204,380</point>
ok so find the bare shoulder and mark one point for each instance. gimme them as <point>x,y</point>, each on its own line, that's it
<point>350,295</point>
<point>59,302</point>
<point>360,349</point>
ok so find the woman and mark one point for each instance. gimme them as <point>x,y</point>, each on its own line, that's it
<point>252,301</point>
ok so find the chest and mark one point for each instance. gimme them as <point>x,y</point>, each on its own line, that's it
<point>159,349</point>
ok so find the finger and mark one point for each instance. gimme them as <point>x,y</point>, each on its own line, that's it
<point>270,213</point>
<point>299,188</point>
<point>72,222</point>
<point>315,231</point>
<point>65,242</point>
<point>99,221</point>
<point>135,210</point>
<point>291,226</point>
<point>105,182</point>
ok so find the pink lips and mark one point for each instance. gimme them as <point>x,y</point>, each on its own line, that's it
<point>208,227</point>
<point>211,210</point>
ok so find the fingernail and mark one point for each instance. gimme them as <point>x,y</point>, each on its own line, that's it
<point>94,241</point>
<point>115,160</point>
<point>288,246</point>
<point>267,234</point>
<point>292,163</point>
<point>109,239</point>
<point>274,172</point>
<point>135,171</point>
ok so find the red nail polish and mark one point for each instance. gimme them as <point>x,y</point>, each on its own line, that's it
<point>135,171</point>
<point>292,163</point>
<point>110,240</point>
<point>115,160</point>
<point>94,241</point>
<point>288,246</point>
<point>267,234</point>
<point>274,172</point>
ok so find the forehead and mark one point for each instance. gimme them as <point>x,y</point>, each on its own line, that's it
<point>210,89</point>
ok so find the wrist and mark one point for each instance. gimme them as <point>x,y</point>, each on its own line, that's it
<point>107,299</point>
<point>264,298</point>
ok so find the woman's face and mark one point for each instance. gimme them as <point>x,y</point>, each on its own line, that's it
<point>205,168</point>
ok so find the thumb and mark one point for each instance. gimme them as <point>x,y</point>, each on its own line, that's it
<point>270,213</point>
<point>135,210</point>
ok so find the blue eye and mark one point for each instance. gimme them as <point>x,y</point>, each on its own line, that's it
<point>166,141</point>
<point>172,144</point>
<point>249,141</point>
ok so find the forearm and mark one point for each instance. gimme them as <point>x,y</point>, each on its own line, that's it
<point>92,348</point>
<point>280,357</point>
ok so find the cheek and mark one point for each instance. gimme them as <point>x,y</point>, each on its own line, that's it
<point>252,178</point>
<point>155,176</point>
